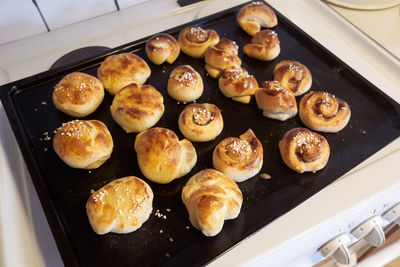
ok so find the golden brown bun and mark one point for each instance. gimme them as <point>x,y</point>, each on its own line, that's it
<point>185,84</point>
<point>162,47</point>
<point>221,56</point>
<point>264,46</point>
<point>303,150</point>
<point>275,101</point>
<point>83,144</point>
<point>162,157</point>
<point>78,94</point>
<point>323,112</point>
<point>236,83</point>
<point>239,158</point>
<point>254,16</point>
<point>201,122</point>
<point>211,197</point>
<point>117,71</point>
<point>194,41</point>
<point>121,206</point>
<point>293,76</point>
<point>137,107</point>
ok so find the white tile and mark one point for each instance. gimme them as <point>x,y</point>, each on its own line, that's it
<point>127,3</point>
<point>64,12</point>
<point>19,19</point>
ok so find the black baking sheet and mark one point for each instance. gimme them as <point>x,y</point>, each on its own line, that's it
<point>172,240</point>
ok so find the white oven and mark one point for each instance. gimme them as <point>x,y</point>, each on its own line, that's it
<point>368,191</point>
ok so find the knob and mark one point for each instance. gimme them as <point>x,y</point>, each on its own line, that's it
<point>393,214</point>
<point>337,249</point>
<point>371,230</point>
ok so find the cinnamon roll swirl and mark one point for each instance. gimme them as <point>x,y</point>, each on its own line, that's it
<point>323,112</point>
<point>239,158</point>
<point>221,56</point>
<point>264,46</point>
<point>201,122</point>
<point>293,76</point>
<point>303,150</point>
<point>238,84</point>
<point>194,41</point>
<point>185,84</point>
<point>162,48</point>
<point>275,101</point>
<point>254,16</point>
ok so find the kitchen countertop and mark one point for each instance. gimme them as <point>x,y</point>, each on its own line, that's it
<point>22,218</point>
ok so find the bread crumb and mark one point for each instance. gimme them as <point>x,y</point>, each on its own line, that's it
<point>161,231</point>
<point>171,239</point>
<point>187,227</point>
<point>265,176</point>
<point>167,255</point>
<point>45,149</point>
<point>44,103</point>
<point>168,210</point>
<point>35,109</point>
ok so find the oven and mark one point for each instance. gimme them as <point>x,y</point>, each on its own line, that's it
<point>358,207</point>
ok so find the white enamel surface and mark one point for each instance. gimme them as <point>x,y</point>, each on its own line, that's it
<point>19,19</point>
<point>366,4</point>
<point>281,243</point>
<point>64,12</point>
<point>127,3</point>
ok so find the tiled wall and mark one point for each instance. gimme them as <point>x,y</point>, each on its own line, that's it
<point>23,18</point>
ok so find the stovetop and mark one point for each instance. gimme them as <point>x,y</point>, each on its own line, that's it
<point>22,218</point>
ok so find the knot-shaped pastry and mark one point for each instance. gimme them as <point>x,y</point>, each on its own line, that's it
<point>293,76</point>
<point>137,107</point>
<point>194,41</point>
<point>275,101</point>
<point>221,56</point>
<point>323,112</point>
<point>78,94</point>
<point>162,157</point>
<point>211,197</point>
<point>239,158</point>
<point>83,144</point>
<point>254,16</point>
<point>162,47</point>
<point>121,206</point>
<point>185,84</point>
<point>238,84</point>
<point>117,71</point>
<point>201,122</point>
<point>264,46</point>
<point>303,150</point>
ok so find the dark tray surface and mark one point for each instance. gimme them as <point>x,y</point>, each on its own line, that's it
<point>64,191</point>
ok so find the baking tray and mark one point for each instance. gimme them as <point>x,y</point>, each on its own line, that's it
<point>171,240</point>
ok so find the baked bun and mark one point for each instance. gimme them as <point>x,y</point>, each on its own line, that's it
<point>201,122</point>
<point>137,107</point>
<point>83,144</point>
<point>211,197</point>
<point>323,112</point>
<point>117,71</point>
<point>162,47</point>
<point>185,84</point>
<point>236,83</point>
<point>162,157</point>
<point>254,16</point>
<point>239,158</point>
<point>303,150</point>
<point>221,56</point>
<point>275,101</point>
<point>121,206</point>
<point>194,41</point>
<point>78,94</point>
<point>293,76</point>
<point>264,46</point>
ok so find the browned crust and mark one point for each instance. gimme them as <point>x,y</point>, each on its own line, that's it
<point>273,97</point>
<point>196,47</point>
<point>254,16</point>
<point>264,46</point>
<point>162,47</point>
<point>293,76</point>
<point>322,111</point>
<point>237,82</point>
